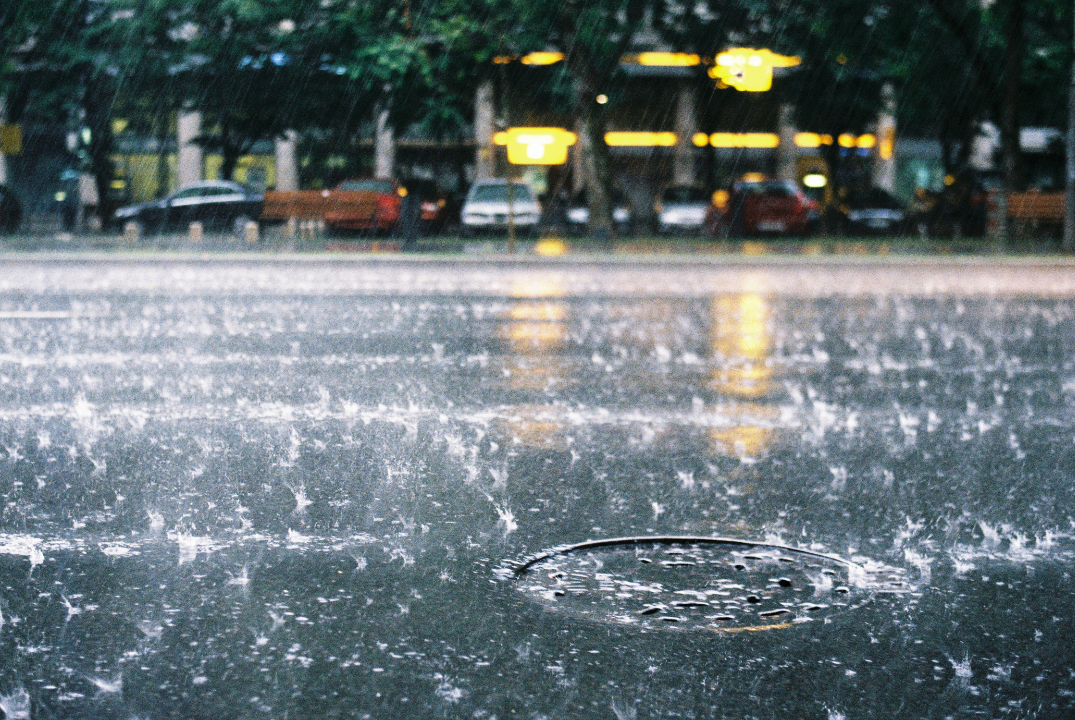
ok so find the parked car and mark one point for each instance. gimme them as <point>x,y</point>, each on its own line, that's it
<point>217,204</point>
<point>375,204</point>
<point>578,213</point>
<point>764,207</point>
<point>870,212</point>
<point>425,207</point>
<point>10,210</point>
<point>487,203</point>
<point>681,208</point>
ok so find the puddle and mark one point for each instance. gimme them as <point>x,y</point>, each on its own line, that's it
<point>699,583</point>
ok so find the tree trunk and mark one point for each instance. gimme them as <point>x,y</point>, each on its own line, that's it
<point>596,173</point>
<point>96,101</point>
<point>230,152</point>
<point>1010,83</point>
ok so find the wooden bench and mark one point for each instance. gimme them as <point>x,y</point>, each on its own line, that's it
<point>1036,207</point>
<point>316,204</point>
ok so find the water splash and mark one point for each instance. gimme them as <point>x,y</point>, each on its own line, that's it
<point>108,687</point>
<point>16,706</point>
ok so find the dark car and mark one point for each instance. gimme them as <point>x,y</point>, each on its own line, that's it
<point>425,207</point>
<point>767,207</point>
<point>870,212</point>
<point>10,210</point>
<point>578,213</point>
<point>217,204</point>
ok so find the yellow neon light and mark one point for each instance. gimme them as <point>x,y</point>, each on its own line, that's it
<point>749,69</point>
<point>866,141</point>
<point>640,139</point>
<point>846,141</point>
<point>503,59</point>
<point>815,180</point>
<point>744,140</point>
<point>807,140</point>
<point>700,139</point>
<point>542,58</point>
<point>668,59</point>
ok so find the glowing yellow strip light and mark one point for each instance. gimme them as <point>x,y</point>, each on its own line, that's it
<point>640,139</point>
<point>665,59</point>
<point>744,140</point>
<point>542,58</point>
<point>812,140</point>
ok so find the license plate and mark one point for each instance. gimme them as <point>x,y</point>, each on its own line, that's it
<point>771,226</point>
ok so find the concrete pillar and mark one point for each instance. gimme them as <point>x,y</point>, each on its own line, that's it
<point>189,156</point>
<point>287,164</point>
<point>484,119</point>
<point>884,167</point>
<point>3,160</point>
<point>786,153</point>
<point>683,171</point>
<point>384,147</point>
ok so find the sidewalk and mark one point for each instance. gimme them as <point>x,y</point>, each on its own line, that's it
<point>274,241</point>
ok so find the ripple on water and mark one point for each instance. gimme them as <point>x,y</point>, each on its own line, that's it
<point>712,584</point>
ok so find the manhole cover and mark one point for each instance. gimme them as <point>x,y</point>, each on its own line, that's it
<point>718,584</point>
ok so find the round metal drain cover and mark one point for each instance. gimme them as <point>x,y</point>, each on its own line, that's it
<point>718,584</point>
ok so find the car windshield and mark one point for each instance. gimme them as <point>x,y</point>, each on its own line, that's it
<point>378,186</point>
<point>498,192</point>
<point>684,195</point>
<point>768,189</point>
<point>873,199</point>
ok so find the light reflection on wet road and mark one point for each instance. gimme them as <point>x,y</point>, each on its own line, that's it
<point>289,488</point>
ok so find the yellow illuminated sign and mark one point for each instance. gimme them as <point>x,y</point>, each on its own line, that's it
<point>700,139</point>
<point>10,140</point>
<point>536,145</point>
<point>748,69</point>
<point>640,139</point>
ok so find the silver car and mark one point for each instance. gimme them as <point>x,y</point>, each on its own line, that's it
<point>681,208</point>
<point>489,202</point>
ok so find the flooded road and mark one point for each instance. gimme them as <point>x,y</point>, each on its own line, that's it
<point>302,488</point>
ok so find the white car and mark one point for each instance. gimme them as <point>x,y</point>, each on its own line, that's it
<point>681,208</point>
<point>487,205</point>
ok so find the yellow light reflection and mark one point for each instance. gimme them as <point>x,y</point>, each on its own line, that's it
<point>550,247</point>
<point>741,342</point>
<point>535,329</point>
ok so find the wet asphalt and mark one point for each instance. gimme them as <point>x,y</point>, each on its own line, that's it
<point>301,486</point>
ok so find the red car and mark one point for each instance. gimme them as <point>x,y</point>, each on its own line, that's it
<point>366,205</point>
<point>767,207</point>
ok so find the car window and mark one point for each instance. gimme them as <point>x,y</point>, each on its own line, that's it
<point>189,193</point>
<point>218,190</point>
<point>876,199</point>
<point>379,186</point>
<point>499,193</point>
<point>684,195</point>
